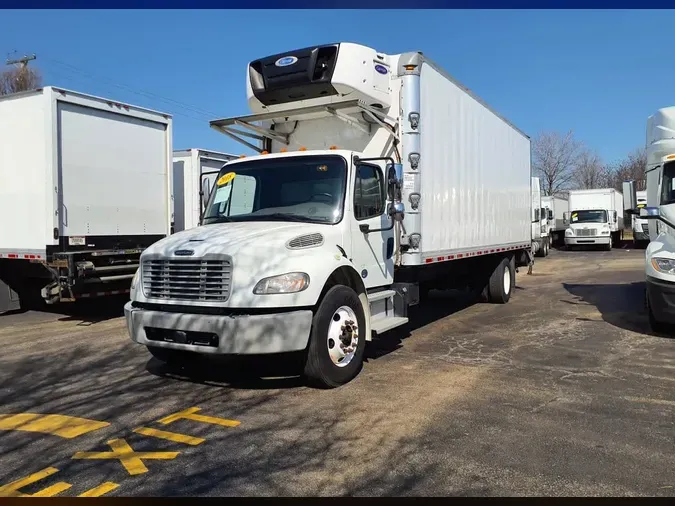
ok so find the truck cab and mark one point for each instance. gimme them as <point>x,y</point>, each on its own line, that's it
<point>595,218</point>
<point>640,226</point>
<point>660,215</point>
<point>541,240</point>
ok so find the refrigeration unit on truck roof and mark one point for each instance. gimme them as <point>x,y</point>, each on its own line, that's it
<point>378,178</point>
<point>85,186</point>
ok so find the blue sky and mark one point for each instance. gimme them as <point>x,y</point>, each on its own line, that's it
<point>599,73</point>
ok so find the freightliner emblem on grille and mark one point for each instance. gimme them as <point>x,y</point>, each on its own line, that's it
<point>184,252</point>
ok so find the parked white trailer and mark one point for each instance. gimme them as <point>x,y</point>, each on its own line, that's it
<point>556,207</point>
<point>595,217</point>
<point>306,246</point>
<point>191,168</point>
<point>640,226</point>
<point>85,187</point>
<point>540,239</point>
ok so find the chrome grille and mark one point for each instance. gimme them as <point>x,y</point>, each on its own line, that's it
<point>194,279</point>
<point>587,232</point>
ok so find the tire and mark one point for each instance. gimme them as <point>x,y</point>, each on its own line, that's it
<point>657,326</point>
<point>502,281</point>
<point>340,305</point>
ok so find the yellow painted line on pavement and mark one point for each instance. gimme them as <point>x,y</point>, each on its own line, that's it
<point>67,427</point>
<point>102,489</point>
<point>12,489</point>
<point>131,460</point>
<point>171,436</point>
<point>189,414</point>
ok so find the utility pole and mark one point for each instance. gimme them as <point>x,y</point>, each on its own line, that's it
<point>21,62</point>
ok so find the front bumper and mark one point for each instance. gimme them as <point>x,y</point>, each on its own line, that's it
<point>661,295</point>
<point>580,241</point>
<point>218,334</point>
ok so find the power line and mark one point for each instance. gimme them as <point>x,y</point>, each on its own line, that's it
<point>144,93</point>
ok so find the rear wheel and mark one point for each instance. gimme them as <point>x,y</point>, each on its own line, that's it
<point>502,282</point>
<point>337,341</point>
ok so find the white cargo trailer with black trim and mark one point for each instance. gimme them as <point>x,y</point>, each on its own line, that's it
<point>85,186</point>
<point>194,172</point>
<point>378,177</point>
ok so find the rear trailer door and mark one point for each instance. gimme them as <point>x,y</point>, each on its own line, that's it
<point>112,174</point>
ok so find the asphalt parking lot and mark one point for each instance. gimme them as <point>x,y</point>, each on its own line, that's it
<point>563,391</point>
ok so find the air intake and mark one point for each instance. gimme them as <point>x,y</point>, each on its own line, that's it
<point>305,241</point>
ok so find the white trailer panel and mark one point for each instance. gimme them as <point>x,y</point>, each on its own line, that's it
<point>474,170</point>
<point>188,167</point>
<point>82,165</point>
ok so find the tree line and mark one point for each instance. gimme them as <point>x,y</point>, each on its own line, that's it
<point>565,163</point>
<point>561,161</point>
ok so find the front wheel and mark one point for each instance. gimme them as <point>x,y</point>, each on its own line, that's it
<point>656,325</point>
<point>337,341</point>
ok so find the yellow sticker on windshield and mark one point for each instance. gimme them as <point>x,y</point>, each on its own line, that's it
<point>574,215</point>
<point>226,179</point>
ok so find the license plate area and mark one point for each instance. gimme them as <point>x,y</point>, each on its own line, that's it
<point>207,339</point>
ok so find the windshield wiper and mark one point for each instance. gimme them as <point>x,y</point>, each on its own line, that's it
<point>282,217</point>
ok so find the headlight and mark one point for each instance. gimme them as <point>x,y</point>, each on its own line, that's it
<point>291,282</point>
<point>134,280</point>
<point>569,231</point>
<point>665,265</point>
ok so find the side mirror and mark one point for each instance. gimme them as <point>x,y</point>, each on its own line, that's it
<point>394,180</point>
<point>205,193</point>
<point>615,216</point>
<point>566,217</point>
<point>397,211</point>
<point>550,214</point>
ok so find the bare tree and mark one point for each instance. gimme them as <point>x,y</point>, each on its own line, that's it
<point>22,78</point>
<point>555,158</point>
<point>630,168</point>
<point>590,172</point>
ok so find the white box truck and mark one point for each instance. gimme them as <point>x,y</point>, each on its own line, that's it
<point>556,207</point>
<point>540,238</point>
<point>378,178</point>
<point>191,167</point>
<point>595,217</point>
<point>660,212</point>
<point>85,186</point>
<point>640,226</point>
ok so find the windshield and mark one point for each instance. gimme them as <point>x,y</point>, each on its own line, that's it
<point>303,188</point>
<point>668,184</point>
<point>589,216</point>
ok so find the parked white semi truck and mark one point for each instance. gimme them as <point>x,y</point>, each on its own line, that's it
<point>640,225</point>
<point>660,212</point>
<point>306,246</point>
<point>556,207</point>
<point>85,187</point>
<point>540,239</point>
<point>595,217</point>
<point>191,168</point>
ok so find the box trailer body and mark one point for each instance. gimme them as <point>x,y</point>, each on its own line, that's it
<point>595,217</point>
<point>556,207</point>
<point>85,186</point>
<point>378,178</point>
<point>191,167</point>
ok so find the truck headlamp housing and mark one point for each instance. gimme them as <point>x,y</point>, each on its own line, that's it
<point>569,232</point>
<point>291,282</point>
<point>134,280</point>
<point>664,265</point>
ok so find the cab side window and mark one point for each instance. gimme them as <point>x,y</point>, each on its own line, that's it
<point>369,192</point>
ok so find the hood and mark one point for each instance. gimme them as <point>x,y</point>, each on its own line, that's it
<point>233,238</point>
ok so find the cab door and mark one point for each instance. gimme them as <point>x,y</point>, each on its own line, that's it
<point>372,252</point>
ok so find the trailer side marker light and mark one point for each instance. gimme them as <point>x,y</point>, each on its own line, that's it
<point>302,148</point>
